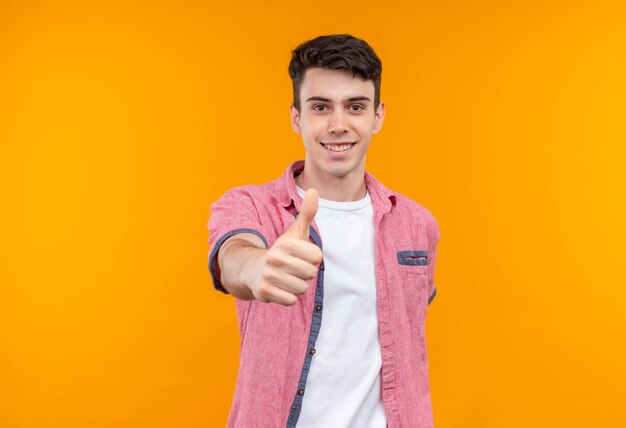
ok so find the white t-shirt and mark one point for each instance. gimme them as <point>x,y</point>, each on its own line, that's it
<point>343,385</point>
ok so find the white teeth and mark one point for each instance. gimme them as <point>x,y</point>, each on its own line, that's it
<point>338,147</point>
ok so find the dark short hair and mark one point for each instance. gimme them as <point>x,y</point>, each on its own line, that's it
<point>334,52</point>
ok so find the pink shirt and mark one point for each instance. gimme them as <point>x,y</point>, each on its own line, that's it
<point>278,342</point>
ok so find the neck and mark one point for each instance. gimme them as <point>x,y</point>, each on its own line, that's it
<point>347,188</point>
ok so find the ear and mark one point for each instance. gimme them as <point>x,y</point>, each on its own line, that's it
<point>295,120</point>
<point>379,118</point>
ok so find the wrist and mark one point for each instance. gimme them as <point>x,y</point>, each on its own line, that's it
<point>250,269</point>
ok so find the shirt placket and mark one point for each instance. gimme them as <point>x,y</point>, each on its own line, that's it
<point>388,370</point>
<point>316,323</point>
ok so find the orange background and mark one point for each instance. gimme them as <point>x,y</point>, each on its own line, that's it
<point>121,122</point>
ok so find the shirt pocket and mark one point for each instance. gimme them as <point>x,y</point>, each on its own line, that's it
<point>412,273</point>
<point>413,261</point>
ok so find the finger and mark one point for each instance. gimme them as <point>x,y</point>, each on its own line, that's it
<point>300,268</point>
<point>289,283</point>
<point>307,213</point>
<point>304,250</point>
<point>278,295</point>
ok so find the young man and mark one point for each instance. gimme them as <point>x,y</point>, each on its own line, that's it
<point>332,272</point>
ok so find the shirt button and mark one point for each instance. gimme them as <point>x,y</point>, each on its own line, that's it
<point>322,265</point>
<point>318,308</point>
<point>301,392</point>
<point>312,351</point>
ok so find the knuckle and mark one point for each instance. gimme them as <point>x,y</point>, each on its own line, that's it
<point>260,296</point>
<point>268,275</point>
<point>274,259</point>
<point>264,293</point>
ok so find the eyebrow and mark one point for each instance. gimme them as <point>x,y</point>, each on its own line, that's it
<point>327,100</point>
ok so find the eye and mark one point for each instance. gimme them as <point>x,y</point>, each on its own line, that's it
<point>319,107</point>
<point>356,107</point>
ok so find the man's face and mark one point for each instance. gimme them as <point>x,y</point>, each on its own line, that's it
<point>336,120</point>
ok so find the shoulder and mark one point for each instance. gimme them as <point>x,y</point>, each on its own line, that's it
<point>251,193</point>
<point>413,209</point>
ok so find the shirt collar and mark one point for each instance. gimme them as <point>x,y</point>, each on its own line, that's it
<point>287,193</point>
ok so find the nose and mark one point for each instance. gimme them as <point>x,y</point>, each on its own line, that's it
<point>338,122</point>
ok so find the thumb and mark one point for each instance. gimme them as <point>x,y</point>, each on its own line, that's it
<point>307,213</point>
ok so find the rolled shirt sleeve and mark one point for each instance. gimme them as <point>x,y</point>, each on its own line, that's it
<point>433,240</point>
<point>235,212</point>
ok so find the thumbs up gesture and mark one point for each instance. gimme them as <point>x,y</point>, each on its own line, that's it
<point>300,228</point>
<point>280,273</point>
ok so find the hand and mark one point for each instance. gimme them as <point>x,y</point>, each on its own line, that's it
<point>280,273</point>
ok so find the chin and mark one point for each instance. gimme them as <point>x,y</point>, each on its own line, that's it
<point>340,172</point>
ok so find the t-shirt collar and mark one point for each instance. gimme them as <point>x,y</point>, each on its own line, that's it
<point>287,193</point>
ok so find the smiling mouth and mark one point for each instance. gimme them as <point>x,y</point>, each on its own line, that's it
<point>337,148</point>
